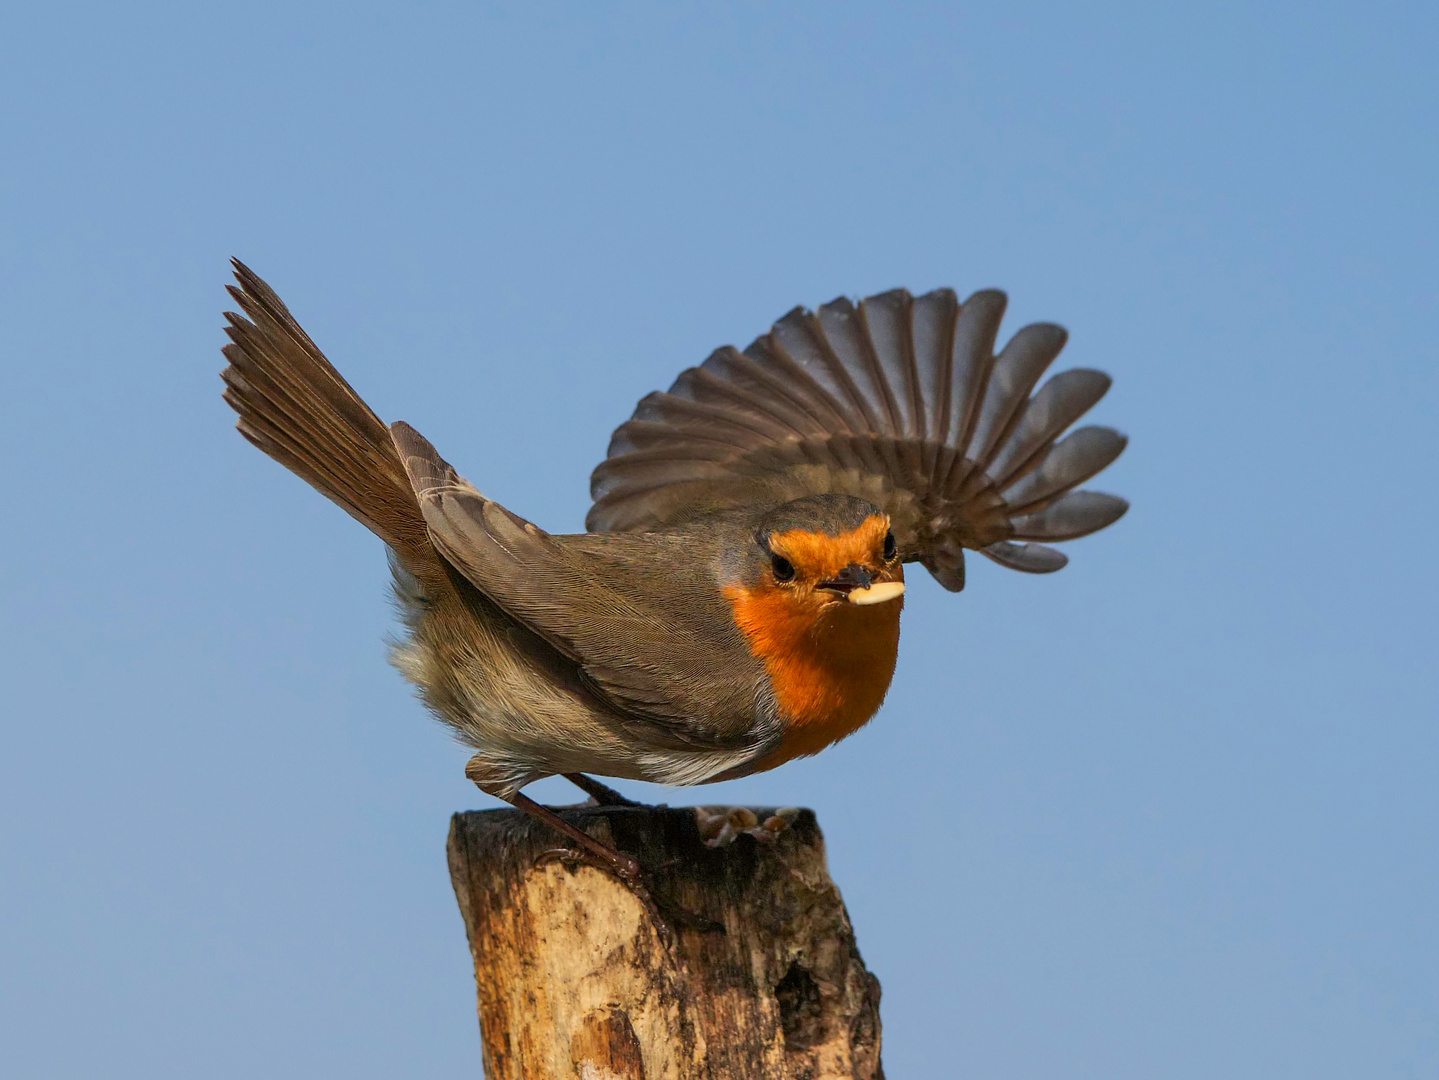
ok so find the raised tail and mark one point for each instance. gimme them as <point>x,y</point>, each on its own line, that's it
<point>295,407</point>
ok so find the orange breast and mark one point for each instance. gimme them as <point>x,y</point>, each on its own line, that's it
<point>829,665</point>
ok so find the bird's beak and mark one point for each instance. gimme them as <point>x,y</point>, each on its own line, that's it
<point>857,585</point>
<point>852,577</point>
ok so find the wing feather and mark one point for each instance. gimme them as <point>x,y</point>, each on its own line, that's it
<point>1074,515</point>
<point>829,411</point>
<point>1060,402</point>
<point>973,357</point>
<point>705,386</point>
<point>888,324</point>
<point>931,334</point>
<point>797,336</point>
<point>1081,454</point>
<point>895,399</point>
<point>1016,371</point>
<point>848,346</point>
<point>1027,558</point>
<point>685,671</point>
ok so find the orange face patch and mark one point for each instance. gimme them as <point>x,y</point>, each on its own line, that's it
<point>819,557</point>
<point>829,662</point>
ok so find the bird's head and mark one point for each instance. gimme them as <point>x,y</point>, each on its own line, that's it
<point>824,554</point>
<point>819,603</point>
<point>821,575</point>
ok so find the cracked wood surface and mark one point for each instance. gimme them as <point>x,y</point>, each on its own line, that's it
<point>575,981</point>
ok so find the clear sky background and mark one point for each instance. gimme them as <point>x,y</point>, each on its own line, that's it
<point>1169,813</point>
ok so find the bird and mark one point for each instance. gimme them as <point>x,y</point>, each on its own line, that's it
<point>735,601</point>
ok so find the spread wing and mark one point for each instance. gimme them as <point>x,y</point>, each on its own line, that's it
<point>637,622</point>
<point>897,399</point>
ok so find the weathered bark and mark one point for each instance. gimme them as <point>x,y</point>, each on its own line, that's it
<point>576,982</point>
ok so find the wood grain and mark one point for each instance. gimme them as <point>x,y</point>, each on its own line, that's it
<point>576,982</point>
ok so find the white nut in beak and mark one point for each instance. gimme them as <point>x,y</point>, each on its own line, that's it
<point>877,593</point>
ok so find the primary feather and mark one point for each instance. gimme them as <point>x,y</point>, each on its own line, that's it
<point>898,400</point>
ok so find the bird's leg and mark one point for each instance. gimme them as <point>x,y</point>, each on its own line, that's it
<point>599,854</point>
<point>618,863</point>
<point>483,776</point>
<point>603,794</point>
<point>587,849</point>
<point>625,867</point>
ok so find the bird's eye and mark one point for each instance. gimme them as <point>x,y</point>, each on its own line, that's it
<point>890,550</point>
<point>783,568</point>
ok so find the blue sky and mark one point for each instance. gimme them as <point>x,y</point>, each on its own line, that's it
<point>1169,813</point>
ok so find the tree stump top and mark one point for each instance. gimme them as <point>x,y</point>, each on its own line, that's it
<point>576,981</point>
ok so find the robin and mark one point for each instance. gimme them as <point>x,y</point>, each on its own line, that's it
<point>736,601</point>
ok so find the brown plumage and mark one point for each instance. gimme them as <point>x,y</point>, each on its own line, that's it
<point>736,602</point>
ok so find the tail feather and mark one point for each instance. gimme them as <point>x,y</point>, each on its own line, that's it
<point>296,407</point>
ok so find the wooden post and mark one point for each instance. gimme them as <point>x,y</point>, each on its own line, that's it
<point>576,982</point>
